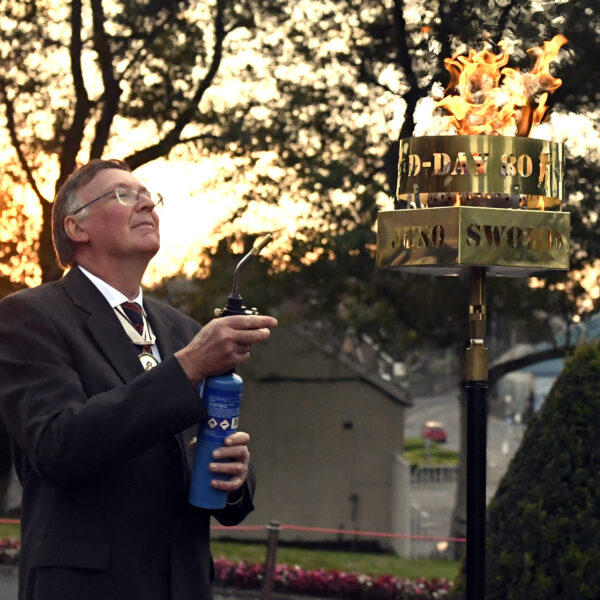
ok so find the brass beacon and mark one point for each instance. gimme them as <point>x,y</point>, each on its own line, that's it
<point>490,201</point>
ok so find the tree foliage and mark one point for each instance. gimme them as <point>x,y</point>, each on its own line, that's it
<point>334,135</point>
<point>542,522</point>
<point>15,253</point>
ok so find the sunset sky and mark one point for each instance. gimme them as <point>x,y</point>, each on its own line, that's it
<point>201,192</point>
<point>197,208</point>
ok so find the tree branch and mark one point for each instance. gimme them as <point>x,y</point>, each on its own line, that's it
<point>367,74</point>
<point>404,58</point>
<point>74,135</point>
<point>112,91</point>
<point>16,143</point>
<point>197,138</point>
<point>414,93</point>
<point>173,137</point>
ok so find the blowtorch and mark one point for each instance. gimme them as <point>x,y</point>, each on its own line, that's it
<point>222,396</point>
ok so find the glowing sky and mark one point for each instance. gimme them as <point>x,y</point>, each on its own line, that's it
<point>201,192</point>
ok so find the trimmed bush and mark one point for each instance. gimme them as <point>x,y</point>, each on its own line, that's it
<point>543,529</point>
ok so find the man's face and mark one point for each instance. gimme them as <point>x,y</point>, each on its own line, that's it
<point>116,231</point>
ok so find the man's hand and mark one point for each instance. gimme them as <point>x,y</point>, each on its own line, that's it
<point>222,344</point>
<point>236,451</point>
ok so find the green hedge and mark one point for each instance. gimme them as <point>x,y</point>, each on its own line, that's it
<point>543,528</point>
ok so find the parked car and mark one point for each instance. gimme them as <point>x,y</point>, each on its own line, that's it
<point>435,431</point>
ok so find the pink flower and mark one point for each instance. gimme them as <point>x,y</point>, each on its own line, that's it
<point>329,584</point>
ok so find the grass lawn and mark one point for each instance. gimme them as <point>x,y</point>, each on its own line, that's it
<point>353,562</point>
<point>416,453</point>
<point>10,531</point>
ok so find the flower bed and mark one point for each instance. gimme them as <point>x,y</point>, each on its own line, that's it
<point>9,552</point>
<point>298,582</point>
<point>329,584</point>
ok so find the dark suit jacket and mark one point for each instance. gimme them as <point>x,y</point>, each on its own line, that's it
<point>98,448</point>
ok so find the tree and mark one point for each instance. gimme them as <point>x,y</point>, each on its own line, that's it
<point>77,79</point>
<point>542,522</point>
<point>333,135</point>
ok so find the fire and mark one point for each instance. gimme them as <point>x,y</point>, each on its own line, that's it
<point>485,96</point>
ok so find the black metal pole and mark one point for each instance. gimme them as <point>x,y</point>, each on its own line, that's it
<point>476,384</point>
<point>476,488</point>
<point>271,560</point>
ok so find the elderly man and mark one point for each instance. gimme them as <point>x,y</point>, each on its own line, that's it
<point>101,441</point>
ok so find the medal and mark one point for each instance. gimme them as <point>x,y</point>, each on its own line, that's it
<point>143,338</point>
<point>148,360</point>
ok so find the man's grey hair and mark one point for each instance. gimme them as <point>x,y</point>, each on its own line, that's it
<point>67,201</point>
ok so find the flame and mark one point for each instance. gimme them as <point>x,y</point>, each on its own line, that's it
<point>541,205</point>
<point>457,202</point>
<point>484,96</point>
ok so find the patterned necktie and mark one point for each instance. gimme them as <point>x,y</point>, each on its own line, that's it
<point>134,313</point>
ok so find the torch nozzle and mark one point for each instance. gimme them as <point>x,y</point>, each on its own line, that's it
<point>259,244</point>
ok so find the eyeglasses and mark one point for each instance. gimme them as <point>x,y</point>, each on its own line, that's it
<point>128,197</point>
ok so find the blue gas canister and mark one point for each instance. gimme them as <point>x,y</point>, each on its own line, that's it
<point>221,395</point>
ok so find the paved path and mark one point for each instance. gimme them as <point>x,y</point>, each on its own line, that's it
<point>8,583</point>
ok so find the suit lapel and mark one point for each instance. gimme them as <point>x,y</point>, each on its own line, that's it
<point>103,325</point>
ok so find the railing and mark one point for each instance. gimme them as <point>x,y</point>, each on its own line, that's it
<point>274,528</point>
<point>434,474</point>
